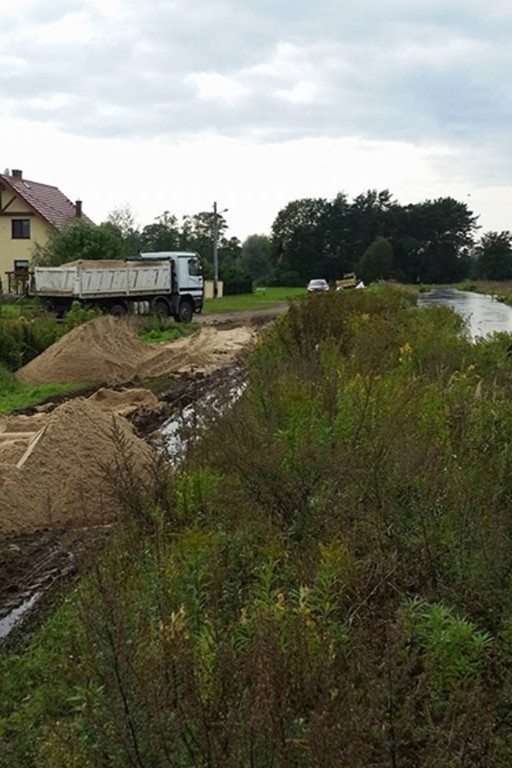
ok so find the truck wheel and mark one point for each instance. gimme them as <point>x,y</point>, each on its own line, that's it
<point>161,308</point>
<point>185,312</point>
<point>118,310</point>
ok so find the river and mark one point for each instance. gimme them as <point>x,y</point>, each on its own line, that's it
<point>483,314</point>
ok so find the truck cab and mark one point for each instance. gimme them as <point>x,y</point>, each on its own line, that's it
<point>187,280</point>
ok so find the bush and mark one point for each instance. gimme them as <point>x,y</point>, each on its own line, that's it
<point>22,339</point>
<point>236,280</point>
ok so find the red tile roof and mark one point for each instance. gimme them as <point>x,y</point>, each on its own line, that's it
<point>49,202</point>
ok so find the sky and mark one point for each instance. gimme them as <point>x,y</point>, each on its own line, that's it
<point>172,105</point>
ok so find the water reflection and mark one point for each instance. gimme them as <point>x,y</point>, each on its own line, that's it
<point>483,314</point>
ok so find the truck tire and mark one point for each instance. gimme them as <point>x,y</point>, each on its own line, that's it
<point>185,312</point>
<point>118,310</point>
<point>161,308</point>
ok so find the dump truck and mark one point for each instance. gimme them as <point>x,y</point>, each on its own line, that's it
<point>167,283</point>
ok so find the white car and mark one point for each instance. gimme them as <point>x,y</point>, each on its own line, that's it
<point>318,286</point>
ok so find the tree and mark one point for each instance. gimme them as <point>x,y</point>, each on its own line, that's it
<point>494,256</point>
<point>164,235</point>
<point>230,251</point>
<point>377,261</point>
<point>197,235</point>
<point>338,248</point>
<point>122,221</point>
<point>371,215</point>
<point>79,241</point>
<point>298,240</point>
<point>255,258</point>
<point>432,240</point>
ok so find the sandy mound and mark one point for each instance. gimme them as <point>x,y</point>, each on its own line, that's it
<point>108,351</point>
<point>205,351</point>
<point>102,351</point>
<point>59,480</point>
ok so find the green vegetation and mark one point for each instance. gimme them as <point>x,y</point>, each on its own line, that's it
<point>430,242</point>
<point>24,337</point>
<point>18,308</point>
<point>324,581</point>
<point>500,290</point>
<point>79,240</point>
<point>26,331</point>
<point>157,331</point>
<point>16,396</point>
<point>262,298</point>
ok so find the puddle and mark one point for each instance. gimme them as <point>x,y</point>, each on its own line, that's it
<point>8,622</point>
<point>178,432</point>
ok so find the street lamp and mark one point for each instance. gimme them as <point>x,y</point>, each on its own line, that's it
<point>216,215</point>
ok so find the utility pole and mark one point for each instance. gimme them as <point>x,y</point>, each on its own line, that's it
<point>216,215</point>
<point>215,253</point>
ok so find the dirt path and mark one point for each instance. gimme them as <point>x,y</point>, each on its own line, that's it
<point>248,317</point>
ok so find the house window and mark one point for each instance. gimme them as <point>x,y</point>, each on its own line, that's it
<point>21,265</point>
<point>20,229</point>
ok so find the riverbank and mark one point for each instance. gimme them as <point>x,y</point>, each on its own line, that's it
<point>499,290</point>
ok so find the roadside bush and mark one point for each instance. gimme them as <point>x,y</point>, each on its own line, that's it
<point>22,339</point>
<point>78,315</point>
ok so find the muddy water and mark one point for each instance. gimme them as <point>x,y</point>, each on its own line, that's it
<point>9,621</point>
<point>179,431</point>
<point>483,314</point>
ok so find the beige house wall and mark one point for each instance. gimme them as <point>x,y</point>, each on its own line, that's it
<point>12,249</point>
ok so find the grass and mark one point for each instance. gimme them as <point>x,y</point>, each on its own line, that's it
<point>501,290</point>
<point>26,397</point>
<point>16,396</point>
<point>262,298</point>
<point>22,307</point>
<point>164,335</point>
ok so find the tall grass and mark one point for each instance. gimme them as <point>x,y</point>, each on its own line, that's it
<point>325,581</point>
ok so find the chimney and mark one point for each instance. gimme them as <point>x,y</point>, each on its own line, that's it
<point>78,209</point>
<point>17,174</point>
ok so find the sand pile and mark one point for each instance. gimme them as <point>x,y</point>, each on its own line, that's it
<point>60,479</point>
<point>102,351</point>
<point>206,350</point>
<point>108,351</point>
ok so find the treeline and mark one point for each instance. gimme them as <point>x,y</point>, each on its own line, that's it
<point>373,235</point>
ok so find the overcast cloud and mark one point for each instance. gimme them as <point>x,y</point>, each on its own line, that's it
<point>428,74</point>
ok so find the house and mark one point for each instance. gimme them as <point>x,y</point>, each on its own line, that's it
<point>29,212</point>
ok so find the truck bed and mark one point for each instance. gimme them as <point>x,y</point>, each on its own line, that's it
<point>81,280</point>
